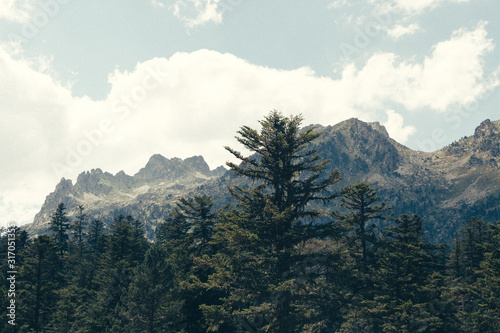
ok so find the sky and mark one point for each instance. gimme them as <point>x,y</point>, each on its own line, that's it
<point>106,84</point>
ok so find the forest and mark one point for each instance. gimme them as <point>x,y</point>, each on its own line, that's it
<point>270,261</point>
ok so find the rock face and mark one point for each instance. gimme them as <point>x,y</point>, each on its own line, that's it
<point>148,195</point>
<point>446,187</point>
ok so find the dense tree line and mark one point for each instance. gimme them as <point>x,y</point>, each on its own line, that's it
<point>263,264</point>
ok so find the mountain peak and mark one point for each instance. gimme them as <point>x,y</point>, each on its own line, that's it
<point>160,167</point>
<point>355,123</point>
<point>198,163</point>
<point>379,128</point>
<point>64,184</point>
<point>157,158</point>
<point>487,128</point>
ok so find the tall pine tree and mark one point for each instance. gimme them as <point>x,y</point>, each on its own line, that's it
<point>39,279</point>
<point>271,220</point>
<point>187,235</point>
<point>59,224</point>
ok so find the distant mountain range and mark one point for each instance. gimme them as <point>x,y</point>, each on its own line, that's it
<point>445,187</point>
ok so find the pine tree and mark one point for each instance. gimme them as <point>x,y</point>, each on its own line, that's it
<point>126,245</point>
<point>407,281</point>
<point>59,224</point>
<point>469,248</point>
<point>198,213</point>
<point>356,232</point>
<point>69,310</point>
<point>39,280</point>
<point>150,307</point>
<point>96,237</point>
<point>262,234</point>
<point>187,235</point>
<point>484,313</point>
<point>360,208</point>
<point>78,229</point>
<point>127,241</point>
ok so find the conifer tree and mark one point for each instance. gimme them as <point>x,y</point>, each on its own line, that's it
<point>469,248</point>
<point>150,307</point>
<point>261,235</point>
<point>39,279</point>
<point>96,237</point>
<point>360,208</point>
<point>407,263</point>
<point>483,315</point>
<point>124,251</point>
<point>78,229</point>
<point>355,230</point>
<point>187,235</point>
<point>59,224</point>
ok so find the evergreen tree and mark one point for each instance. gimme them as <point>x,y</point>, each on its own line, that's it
<point>125,250</point>
<point>469,248</point>
<point>69,311</point>
<point>360,208</point>
<point>197,212</point>
<point>354,228</point>
<point>39,280</point>
<point>262,234</point>
<point>78,229</point>
<point>13,242</point>
<point>407,263</point>
<point>187,235</point>
<point>127,241</point>
<point>59,224</point>
<point>150,307</point>
<point>484,313</point>
<point>96,238</point>
<point>94,248</point>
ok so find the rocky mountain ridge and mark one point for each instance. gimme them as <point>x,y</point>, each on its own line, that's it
<point>446,187</point>
<point>149,193</point>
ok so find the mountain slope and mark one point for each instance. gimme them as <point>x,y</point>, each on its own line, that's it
<point>148,195</point>
<point>446,187</point>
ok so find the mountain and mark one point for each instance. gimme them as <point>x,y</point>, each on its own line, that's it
<point>445,187</point>
<point>148,195</point>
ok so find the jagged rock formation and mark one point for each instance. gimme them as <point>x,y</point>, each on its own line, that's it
<point>446,187</point>
<point>148,195</point>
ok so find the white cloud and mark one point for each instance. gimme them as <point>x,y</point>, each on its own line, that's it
<point>453,74</point>
<point>158,3</point>
<point>195,12</point>
<point>193,103</point>
<point>398,31</point>
<point>16,10</point>
<point>338,4</point>
<point>34,110</point>
<point>395,127</point>
<point>399,16</point>
<point>415,7</point>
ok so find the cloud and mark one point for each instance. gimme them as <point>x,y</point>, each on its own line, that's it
<point>193,103</point>
<point>395,127</point>
<point>195,12</point>
<point>452,75</point>
<point>399,16</point>
<point>416,7</point>
<point>413,7</point>
<point>338,4</point>
<point>16,10</point>
<point>34,109</point>
<point>157,3</point>
<point>398,31</point>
